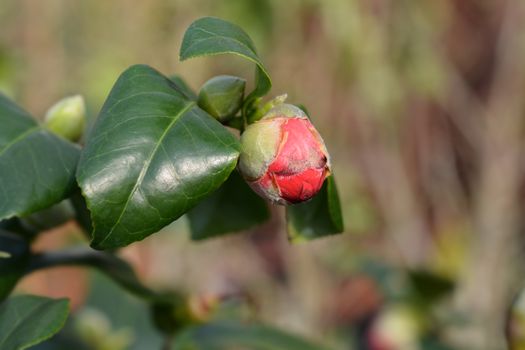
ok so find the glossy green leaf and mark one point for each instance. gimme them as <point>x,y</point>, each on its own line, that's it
<point>26,320</point>
<point>14,255</point>
<point>229,336</point>
<point>320,216</point>
<point>37,168</point>
<point>213,36</point>
<point>233,207</point>
<point>152,155</point>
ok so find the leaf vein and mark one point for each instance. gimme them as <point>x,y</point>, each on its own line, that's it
<point>145,168</point>
<point>19,138</point>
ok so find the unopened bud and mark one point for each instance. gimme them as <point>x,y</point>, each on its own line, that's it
<point>221,96</point>
<point>67,117</point>
<point>283,157</point>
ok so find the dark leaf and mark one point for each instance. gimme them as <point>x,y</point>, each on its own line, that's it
<point>233,207</point>
<point>213,36</point>
<point>152,155</point>
<point>428,287</point>
<point>318,217</point>
<point>82,214</point>
<point>14,255</point>
<point>37,168</point>
<point>15,225</point>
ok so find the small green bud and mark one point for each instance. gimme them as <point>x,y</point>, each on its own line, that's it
<point>222,96</point>
<point>67,117</point>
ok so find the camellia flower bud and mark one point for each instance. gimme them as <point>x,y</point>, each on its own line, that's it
<point>67,117</point>
<point>283,157</point>
<point>221,96</point>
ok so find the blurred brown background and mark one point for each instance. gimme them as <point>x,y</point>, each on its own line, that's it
<point>421,106</point>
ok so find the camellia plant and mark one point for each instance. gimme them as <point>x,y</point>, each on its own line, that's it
<point>157,151</point>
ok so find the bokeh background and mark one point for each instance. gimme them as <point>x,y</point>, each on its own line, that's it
<point>421,106</point>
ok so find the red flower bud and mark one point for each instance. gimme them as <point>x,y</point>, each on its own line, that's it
<point>283,157</point>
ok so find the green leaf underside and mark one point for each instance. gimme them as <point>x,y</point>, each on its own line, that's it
<point>27,320</point>
<point>213,36</point>
<point>37,168</point>
<point>233,207</point>
<point>151,156</point>
<point>321,216</point>
<point>229,335</point>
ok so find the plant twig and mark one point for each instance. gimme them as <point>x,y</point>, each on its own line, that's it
<point>112,266</point>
